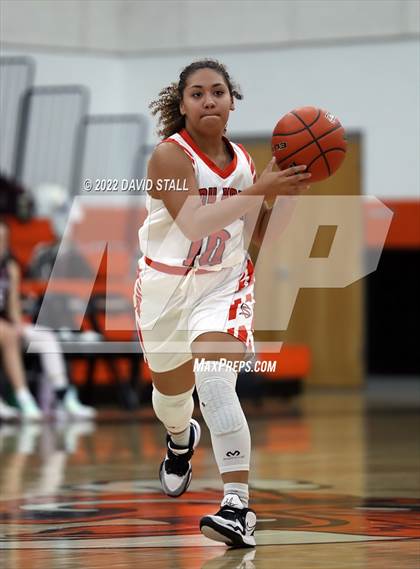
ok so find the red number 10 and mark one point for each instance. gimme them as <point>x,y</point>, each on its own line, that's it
<point>213,253</point>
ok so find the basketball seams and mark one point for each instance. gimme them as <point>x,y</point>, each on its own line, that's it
<point>315,139</point>
<point>302,129</point>
<point>309,143</point>
<point>324,152</point>
<point>289,133</point>
<point>305,135</point>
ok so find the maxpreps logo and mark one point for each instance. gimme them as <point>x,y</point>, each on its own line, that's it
<point>237,366</point>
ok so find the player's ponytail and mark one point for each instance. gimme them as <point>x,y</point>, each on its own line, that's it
<point>167,104</point>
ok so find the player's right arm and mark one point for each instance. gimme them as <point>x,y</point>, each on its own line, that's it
<point>197,221</point>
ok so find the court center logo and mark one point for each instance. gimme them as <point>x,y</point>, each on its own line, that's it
<point>136,514</point>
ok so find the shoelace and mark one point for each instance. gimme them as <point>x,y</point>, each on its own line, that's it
<point>232,512</point>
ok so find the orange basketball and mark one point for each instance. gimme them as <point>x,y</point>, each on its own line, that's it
<point>310,136</point>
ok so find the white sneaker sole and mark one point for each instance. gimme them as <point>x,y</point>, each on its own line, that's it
<point>217,532</point>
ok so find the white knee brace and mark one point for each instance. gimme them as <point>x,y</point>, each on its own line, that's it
<point>224,417</point>
<point>175,411</point>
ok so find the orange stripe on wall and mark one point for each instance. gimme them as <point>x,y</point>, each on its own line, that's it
<point>404,232</point>
<point>405,227</point>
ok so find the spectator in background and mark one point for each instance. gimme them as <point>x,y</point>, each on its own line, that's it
<point>65,257</point>
<point>13,328</point>
<point>15,200</point>
<point>10,346</point>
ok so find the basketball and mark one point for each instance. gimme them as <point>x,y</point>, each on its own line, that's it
<point>310,136</point>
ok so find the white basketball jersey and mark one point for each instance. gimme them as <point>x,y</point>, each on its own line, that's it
<point>162,241</point>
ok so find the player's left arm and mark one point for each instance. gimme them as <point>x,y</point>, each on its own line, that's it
<point>259,226</point>
<point>258,230</point>
<point>263,213</point>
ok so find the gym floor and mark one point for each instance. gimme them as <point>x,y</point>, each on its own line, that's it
<point>335,483</point>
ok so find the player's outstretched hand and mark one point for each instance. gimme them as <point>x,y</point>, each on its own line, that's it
<point>289,182</point>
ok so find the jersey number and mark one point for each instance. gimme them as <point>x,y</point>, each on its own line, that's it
<point>213,253</point>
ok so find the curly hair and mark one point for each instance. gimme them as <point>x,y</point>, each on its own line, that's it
<point>167,104</point>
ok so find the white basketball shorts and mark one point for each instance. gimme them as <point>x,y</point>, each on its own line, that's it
<point>172,310</point>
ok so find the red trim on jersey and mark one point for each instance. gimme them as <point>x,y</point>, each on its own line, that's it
<point>187,152</point>
<point>250,162</point>
<point>222,173</point>
<point>245,280</point>
<point>247,276</point>
<point>233,309</point>
<point>171,269</point>
<point>243,334</point>
<point>138,295</point>
<point>247,156</point>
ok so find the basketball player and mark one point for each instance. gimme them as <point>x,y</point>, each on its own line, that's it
<point>194,291</point>
<point>12,331</point>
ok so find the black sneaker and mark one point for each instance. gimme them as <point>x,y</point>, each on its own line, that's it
<point>233,524</point>
<point>175,471</point>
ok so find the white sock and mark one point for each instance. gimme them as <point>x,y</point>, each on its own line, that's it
<point>239,489</point>
<point>181,439</point>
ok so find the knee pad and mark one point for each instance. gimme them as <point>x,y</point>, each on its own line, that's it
<point>175,411</point>
<point>224,417</point>
<point>219,402</point>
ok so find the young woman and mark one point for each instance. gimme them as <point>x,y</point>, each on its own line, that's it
<point>13,329</point>
<point>194,293</point>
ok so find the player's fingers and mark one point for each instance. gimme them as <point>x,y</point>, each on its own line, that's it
<point>297,177</point>
<point>293,170</point>
<point>270,165</point>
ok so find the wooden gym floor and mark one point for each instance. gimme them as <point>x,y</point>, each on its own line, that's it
<point>335,483</point>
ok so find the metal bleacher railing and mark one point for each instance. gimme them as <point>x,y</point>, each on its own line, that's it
<point>46,147</point>
<point>112,147</point>
<point>52,140</point>
<point>17,75</point>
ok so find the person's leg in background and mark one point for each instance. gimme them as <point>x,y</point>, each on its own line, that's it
<point>53,366</point>
<point>11,350</point>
